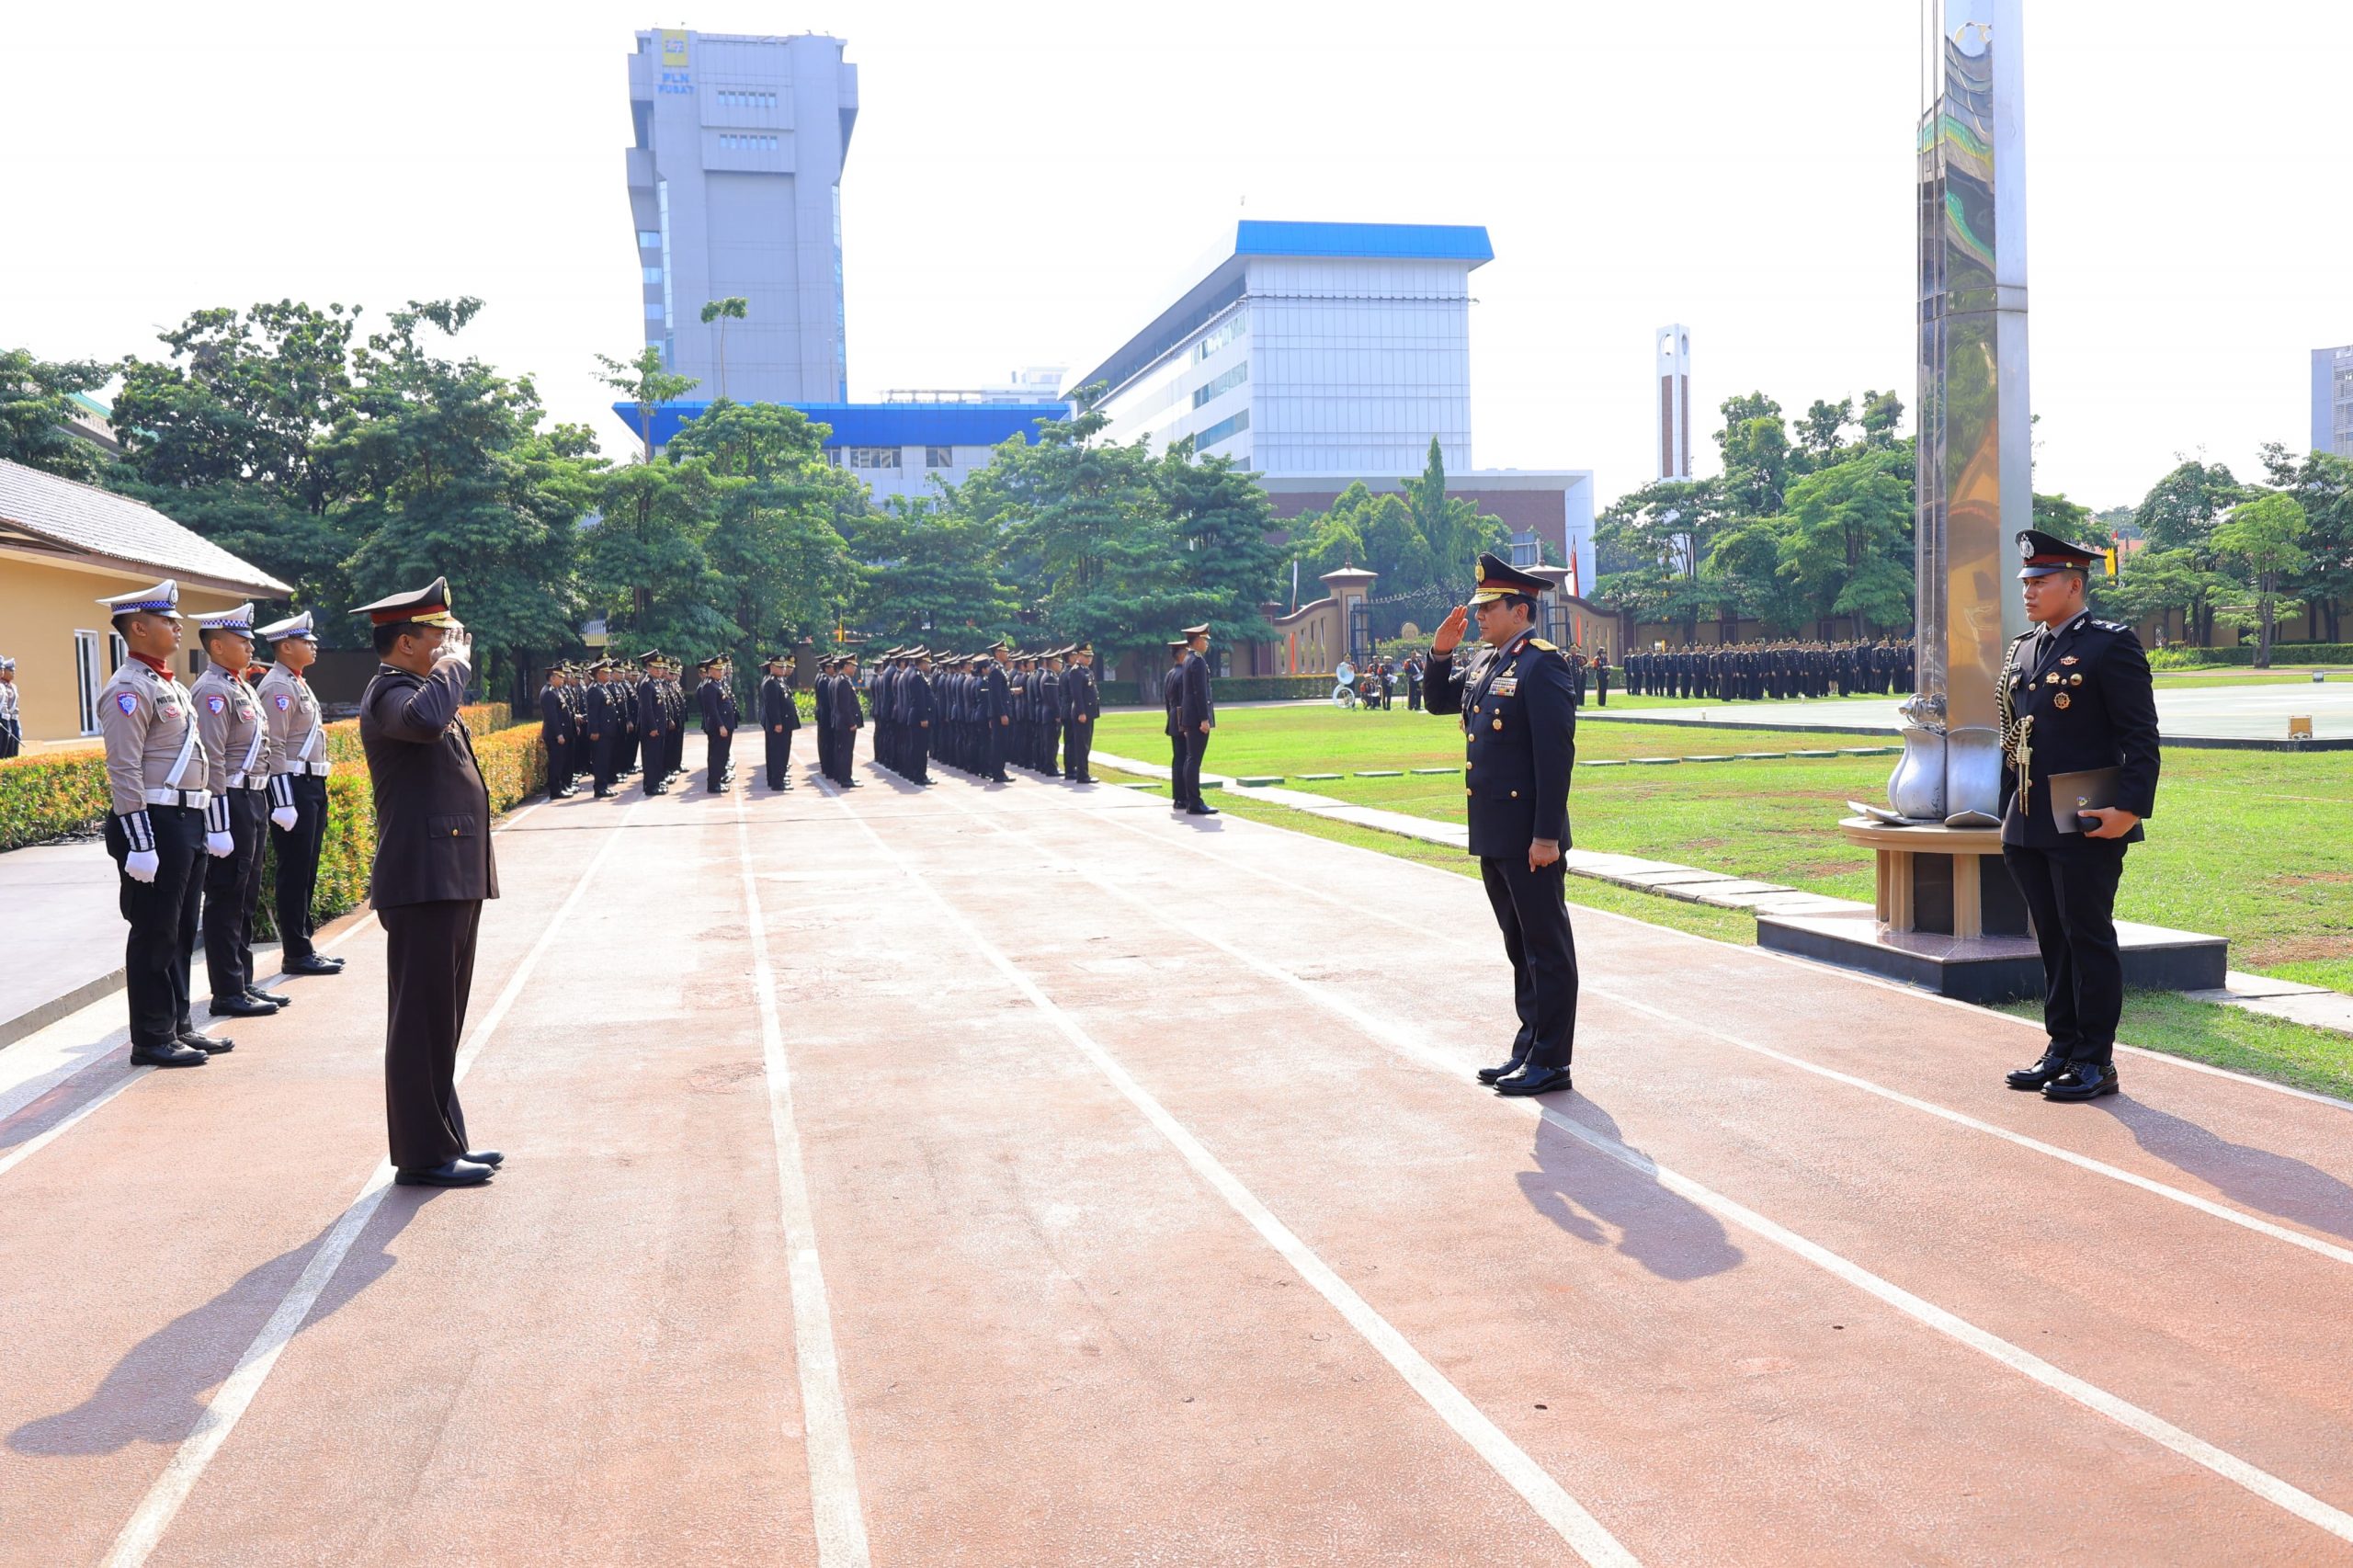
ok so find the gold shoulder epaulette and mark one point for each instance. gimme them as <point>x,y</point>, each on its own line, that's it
<point>1540,642</point>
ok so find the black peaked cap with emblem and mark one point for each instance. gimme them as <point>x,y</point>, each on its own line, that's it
<point>2045,553</point>
<point>1497,577</point>
<point>428,606</point>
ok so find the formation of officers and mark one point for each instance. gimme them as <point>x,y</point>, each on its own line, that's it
<point>202,782</point>
<point>1751,672</point>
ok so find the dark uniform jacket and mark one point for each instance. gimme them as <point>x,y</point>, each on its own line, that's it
<point>846,713</point>
<point>432,808</point>
<point>1199,706</point>
<point>778,711</point>
<point>2094,706</point>
<point>1172,698</point>
<point>996,697</point>
<point>1520,729</point>
<point>555,719</point>
<point>1079,695</point>
<point>650,707</point>
<point>716,699</point>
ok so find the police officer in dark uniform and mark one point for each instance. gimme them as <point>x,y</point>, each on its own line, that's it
<point>434,867</point>
<point>1196,715</point>
<point>997,712</point>
<point>847,717</point>
<point>1081,705</point>
<point>651,717</point>
<point>555,734</point>
<point>780,717</point>
<point>1520,726</point>
<point>1172,702</point>
<point>2078,711</point>
<point>715,698</point>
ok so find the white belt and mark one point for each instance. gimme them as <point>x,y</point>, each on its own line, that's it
<point>303,769</point>
<point>194,799</point>
<point>244,782</point>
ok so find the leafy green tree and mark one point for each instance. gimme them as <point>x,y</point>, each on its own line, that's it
<point>1756,447</point>
<point>644,563</point>
<point>1224,518</point>
<point>2180,509</point>
<point>36,401</point>
<point>1819,442</point>
<point>2266,532</point>
<point>647,385</point>
<point>453,477</point>
<point>1650,545</point>
<point>1883,412</point>
<point>2066,519</point>
<point>929,575</point>
<point>1846,540</point>
<point>733,308</point>
<point>2321,484</point>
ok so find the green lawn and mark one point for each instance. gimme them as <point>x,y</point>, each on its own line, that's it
<point>2250,845</point>
<point>2301,675</point>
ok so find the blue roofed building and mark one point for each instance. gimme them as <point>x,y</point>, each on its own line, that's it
<point>897,448</point>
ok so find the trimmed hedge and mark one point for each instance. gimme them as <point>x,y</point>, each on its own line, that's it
<point>41,797</point>
<point>2289,654</point>
<point>1247,688</point>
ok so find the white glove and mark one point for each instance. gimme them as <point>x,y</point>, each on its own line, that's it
<point>220,846</point>
<point>457,648</point>
<point>285,817</point>
<point>140,865</point>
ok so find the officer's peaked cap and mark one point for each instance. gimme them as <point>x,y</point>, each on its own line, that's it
<point>2045,553</point>
<point>1497,577</point>
<point>428,606</point>
<point>239,620</point>
<point>163,598</point>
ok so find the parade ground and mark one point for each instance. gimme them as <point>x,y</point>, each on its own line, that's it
<point>1023,1174</point>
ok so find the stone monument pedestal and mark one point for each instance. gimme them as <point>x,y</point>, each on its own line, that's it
<point>1948,919</point>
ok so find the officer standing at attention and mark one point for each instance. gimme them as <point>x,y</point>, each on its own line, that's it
<point>236,753</point>
<point>1172,702</point>
<point>2079,715</point>
<point>996,711</point>
<point>848,717</point>
<point>1081,705</point>
<point>1520,729</point>
<point>156,772</point>
<point>12,726</point>
<point>1053,708</point>
<point>716,698</point>
<point>555,732</point>
<point>603,726</point>
<point>434,867</point>
<point>778,719</point>
<point>919,711</point>
<point>298,789</point>
<point>650,714</point>
<point>1197,716</point>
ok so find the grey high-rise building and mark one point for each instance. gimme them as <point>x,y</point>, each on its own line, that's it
<point>734,185</point>
<point>2333,400</point>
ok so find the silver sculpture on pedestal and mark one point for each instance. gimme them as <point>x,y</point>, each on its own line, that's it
<point>1975,486</point>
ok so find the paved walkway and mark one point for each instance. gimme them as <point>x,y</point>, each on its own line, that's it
<point>61,933</point>
<point>1020,1176</point>
<point>2211,713</point>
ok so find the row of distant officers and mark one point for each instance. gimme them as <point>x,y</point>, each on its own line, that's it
<point>979,713</point>
<point>1753,672</point>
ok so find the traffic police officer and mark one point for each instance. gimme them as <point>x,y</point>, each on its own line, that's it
<point>298,771</point>
<point>2078,710</point>
<point>1520,722</point>
<point>236,753</point>
<point>155,831</point>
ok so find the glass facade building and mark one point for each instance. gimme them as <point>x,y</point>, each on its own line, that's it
<point>2333,400</point>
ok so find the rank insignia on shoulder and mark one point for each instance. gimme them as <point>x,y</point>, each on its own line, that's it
<point>2111,626</point>
<point>1540,642</point>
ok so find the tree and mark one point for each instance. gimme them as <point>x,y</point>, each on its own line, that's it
<point>2058,515</point>
<point>36,402</point>
<point>929,575</point>
<point>1649,544</point>
<point>2266,532</point>
<point>1818,440</point>
<point>1846,540</point>
<point>2180,509</point>
<point>647,385</point>
<point>1224,518</point>
<point>2321,484</point>
<point>1756,447</point>
<point>1883,412</point>
<point>733,308</point>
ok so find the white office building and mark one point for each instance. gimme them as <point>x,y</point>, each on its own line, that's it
<point>2333,400</point>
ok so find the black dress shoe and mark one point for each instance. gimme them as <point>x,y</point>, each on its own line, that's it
<point>456,1172</point>
<point>1199,810</point>
<point>2053,1063</point>
<point>1489,1074</point>
<point>310,963</point>
<point>1534,1080</point>
<point>269,998</point>
<point>2084,1081</point>
<point>490,1157</point>
<point>211,1044</point>
<point>239,1006</point>
<point>172,1055</point>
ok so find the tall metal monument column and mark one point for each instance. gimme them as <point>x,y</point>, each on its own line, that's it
<point>1975,486</point>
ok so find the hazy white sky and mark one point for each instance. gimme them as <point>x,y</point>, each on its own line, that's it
<point>1025,183</point>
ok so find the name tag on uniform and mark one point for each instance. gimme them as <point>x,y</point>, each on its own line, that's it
<point>1505,686</point>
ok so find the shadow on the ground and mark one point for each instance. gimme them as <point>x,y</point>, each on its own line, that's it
<point>2280,1185</point>
<point>158,1390</point>
<point>67,1091</point>
<point>1590,1196</point>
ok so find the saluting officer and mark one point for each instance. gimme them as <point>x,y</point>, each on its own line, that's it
<point>236,753</point>
<point>155,773</point>
<point>1520,724</point>
<point>779,718</point>
<point>716,698</point>
<point>2079,775</point>
<point>434,867</point>
<point>1081,705</point>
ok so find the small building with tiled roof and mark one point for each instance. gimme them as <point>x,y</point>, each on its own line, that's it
<point>64,546</point>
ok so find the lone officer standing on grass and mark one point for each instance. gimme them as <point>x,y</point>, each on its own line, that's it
<point>1520,727</point>
<point>155,771</point>
<point>434,867</point>
<point>2079,721</point>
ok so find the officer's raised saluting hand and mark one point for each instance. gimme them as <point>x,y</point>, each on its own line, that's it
<point>1450,629</point>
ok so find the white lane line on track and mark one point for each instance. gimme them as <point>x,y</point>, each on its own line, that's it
<point>1584,1535</point>
<point>220,1414</point>
<point>31,1146</point>
<point>2204,1205</point>
<point>1408,1042</point>
<point>1826,971</point>
<point>836,1516</point>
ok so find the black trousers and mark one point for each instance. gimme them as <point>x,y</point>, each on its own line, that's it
<point>2071,895</point>
<point>1189,767</point>
<point>918,757</point>
<point>561,768</point>
<point>162,944</point>
<point>1532,912</point>
<point>1049,732</point>
<point>429,973</point>
<point>717,748</point>
<point>826,750</point>
<point>845,754</point>
<point>604,761</point>
<point>779,757</point>
<point>297,849</point>
<point>232,891</point>
<point>996,741</point>
<point>1078,741</point>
